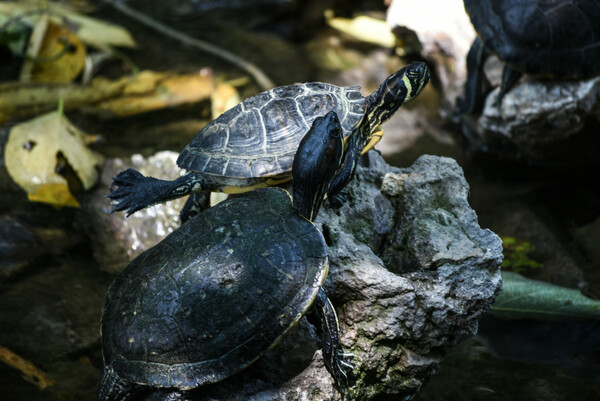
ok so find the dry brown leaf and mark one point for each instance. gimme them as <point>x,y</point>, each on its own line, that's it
<point>34,149</point>
<point>152,91</point>
<point>223,98</point>
<point>30,372</point>
<point>102,96</point>
<point>55,54</point>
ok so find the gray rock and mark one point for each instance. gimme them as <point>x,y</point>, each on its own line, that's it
<point>117,239</point>
<point>411,273</point>
<point>548,122</point>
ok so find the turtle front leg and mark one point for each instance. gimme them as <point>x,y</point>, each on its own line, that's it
<point>476,85</point>
<point>132,191</point>
<point>337,362</point>
<point>196,203</point>
<point>510,77</point>
<point>356,143</point>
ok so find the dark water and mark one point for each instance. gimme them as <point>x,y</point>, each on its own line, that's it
<point>50,310</point>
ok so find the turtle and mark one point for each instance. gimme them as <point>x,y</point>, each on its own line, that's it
<point>253,144</point>
<point>546,38</point>
<point>225,286</point>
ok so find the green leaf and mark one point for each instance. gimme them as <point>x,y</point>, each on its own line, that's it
<point>525,298</point>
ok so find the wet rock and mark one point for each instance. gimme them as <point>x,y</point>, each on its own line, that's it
<point>21,244</point>
<point>117,239</point>
<point>51,317</point>
<point>547,122</point>
<point>411,273</point>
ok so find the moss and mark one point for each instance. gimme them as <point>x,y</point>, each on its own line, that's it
<point>516,255</point>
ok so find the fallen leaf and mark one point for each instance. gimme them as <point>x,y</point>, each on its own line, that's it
<point>54,194</point>
<point>122,97</point>
<point>13,36</point>
<point>55,54</point>
<point>90,31</point>
<point>522,298</point>
<point>223,98</point>
<point>152,91</point>
<point>34,150</point>
<point>366,29</point>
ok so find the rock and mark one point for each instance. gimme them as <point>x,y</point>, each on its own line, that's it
<point>116,240</point>
<point>411,273</point>
<point>546,122</point>
<point>409,244</point>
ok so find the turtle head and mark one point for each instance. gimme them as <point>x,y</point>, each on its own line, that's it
<point>317,159</point>
<point>399,88</point>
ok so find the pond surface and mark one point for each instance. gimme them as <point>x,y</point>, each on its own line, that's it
<point>51,299</point>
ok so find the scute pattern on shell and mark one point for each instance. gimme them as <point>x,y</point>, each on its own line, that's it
<point>213,295</point>
<point>259,137</point>
<point>558,38</point>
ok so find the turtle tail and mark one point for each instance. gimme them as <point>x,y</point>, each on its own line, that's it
<point>399,88</point>
<point>112,387</point>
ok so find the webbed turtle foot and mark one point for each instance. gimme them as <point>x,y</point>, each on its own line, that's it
<point>343,369</point>
<point>336,201</point>
<point>131,191</point>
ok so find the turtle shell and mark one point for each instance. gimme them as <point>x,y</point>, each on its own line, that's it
<point>559,38</point>
<point>259,137</point>
<point>215,294</point>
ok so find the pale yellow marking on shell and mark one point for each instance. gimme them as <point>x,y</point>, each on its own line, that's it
<point>268,182</point>
<point>131,340</point>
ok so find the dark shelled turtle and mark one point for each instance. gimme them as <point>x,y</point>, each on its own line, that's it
<point>215,294</point>
<point>253,144</point>
<point>551,38</point>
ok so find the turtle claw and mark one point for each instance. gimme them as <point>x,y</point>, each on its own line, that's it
<point>343,369</point>
<point>337,200</point>
<point>129,191</point>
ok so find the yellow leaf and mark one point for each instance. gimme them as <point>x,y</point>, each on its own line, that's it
<point>54,194</point>
<point>90,31</point>
<point>55,54</point>
<point>152,91</point>
<point>366,29</point>
<point>37,148</point>
<point>223,98</point>
<point>125,96</point>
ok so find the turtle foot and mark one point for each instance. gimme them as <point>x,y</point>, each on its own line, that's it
<point>336,201</point>
<point>131,191</point>
<point>342,369</point>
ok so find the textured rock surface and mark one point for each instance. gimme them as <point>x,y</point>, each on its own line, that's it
<point>411,272</point>
<point>550,122</point>
<point>119,240</point>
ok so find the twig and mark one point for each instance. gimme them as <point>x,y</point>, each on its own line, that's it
<point>30,372</point>
<point>263,81</point>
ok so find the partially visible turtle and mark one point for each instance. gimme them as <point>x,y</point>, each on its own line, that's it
<point>215,294</point>
<point>549,38</point>
<point>253,144</point>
